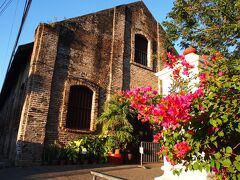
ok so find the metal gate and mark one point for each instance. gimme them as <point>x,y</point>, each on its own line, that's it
<point>150,152</point>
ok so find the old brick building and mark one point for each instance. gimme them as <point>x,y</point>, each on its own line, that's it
<point>75,64</point>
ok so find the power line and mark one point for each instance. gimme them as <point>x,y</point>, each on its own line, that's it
<point>24,16</point>
<point>5,7</point>
<point>3,4</point>
<point>13,22</point>
<point>25,13</point>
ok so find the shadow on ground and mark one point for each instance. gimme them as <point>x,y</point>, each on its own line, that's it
<point>82,172</point>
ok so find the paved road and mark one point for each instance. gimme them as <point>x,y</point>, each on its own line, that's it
<point>74,172</point>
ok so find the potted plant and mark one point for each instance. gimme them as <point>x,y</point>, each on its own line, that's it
<point>129,152</point>
<point>88,148</point>
<point>115,124</point>
<point>73,151</point>
<point>114,121</point>
<point>63,156</point>
<point>111,144</point>
<point>51,154</point>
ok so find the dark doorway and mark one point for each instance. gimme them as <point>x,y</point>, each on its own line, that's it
<point>143,132</point>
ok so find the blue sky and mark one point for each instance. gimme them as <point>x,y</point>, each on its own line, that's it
<point>56,10</point>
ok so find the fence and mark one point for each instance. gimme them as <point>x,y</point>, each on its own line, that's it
<point>150,152</point>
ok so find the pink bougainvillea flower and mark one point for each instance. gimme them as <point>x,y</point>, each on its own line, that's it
<point>176,74</point>
<point>221,73</point>
<point>212,130</point>
<point>157,137</point>
<point>179,111</point>
<point>158,110</point>
<point>213,58</point>
<point>175,126</point>
<point>206,62</point>
<point>198,93</point>
<point>143,100</point>
<point>133,105</point>
<point>155,92</point>
<point>202,77</point>
<point>171,60</point>
<point>185,72</point>
<point>181,149</point>
<point>171,111</point>
<point>184,62</point>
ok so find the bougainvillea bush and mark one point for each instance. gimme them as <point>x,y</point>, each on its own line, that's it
<point>200,127</point>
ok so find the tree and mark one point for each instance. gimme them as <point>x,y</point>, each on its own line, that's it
<point>206,24</point>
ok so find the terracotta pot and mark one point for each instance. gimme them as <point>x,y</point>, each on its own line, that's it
<point>54,162</point>
<point>117,151</point>
<point>62,162</point>
<point>130,156</point>
<point>189,50</point>
<point>115,158</point>
<point>110,152</point>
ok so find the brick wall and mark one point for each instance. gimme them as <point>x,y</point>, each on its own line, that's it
<point>82,59</point>
<point>97,51</point>
<point>31,132</point>
<point>12,98</point>
<point>143,23</point>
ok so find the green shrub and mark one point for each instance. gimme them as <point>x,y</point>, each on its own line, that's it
<point>115,123</point>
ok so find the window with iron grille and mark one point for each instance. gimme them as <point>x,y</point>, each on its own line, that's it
<point>141,46</point>
<point>79,108</point>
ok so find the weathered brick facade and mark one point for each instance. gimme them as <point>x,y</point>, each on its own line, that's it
<point>96,51</point>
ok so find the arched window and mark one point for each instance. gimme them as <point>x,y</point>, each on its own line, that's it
<point>79,108</point>
<point>141,47</point>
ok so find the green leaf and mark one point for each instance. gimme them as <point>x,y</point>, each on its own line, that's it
<point>226,162</point>
<point>207,168</point>
<point>212,163</point>
<point>238,176</point>
<point>190,167</point>
<point>225,117</point>
<point>221,133</point>
<point>176,172</point>
<point>231,169</point>
<point>219,121</point>
<point>200,167</point>
<point>213,122</point>
<point>217,165</point>
<point>215,143</point>
<point>229,150</point>
<point>217,155</point>
<point>233,176</point>
<point>221,109</point>
<point>175,135</point>
<point>237,157</point>
<point>213,138</point>
<point>195,166</point>
<point>237,165</point>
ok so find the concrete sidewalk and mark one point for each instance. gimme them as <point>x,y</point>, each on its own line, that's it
<point>82,172</point>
